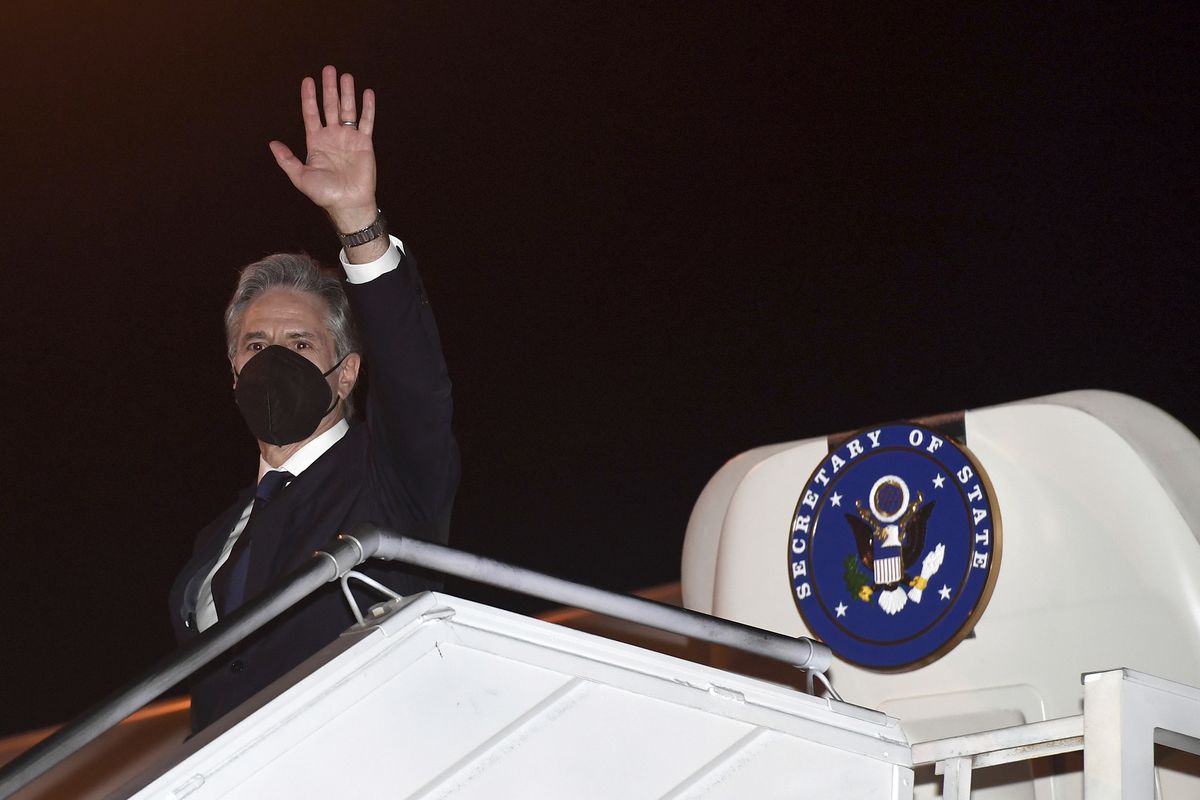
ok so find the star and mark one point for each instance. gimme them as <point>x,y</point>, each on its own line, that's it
<point>835,500</point>
<point>944,592</point>
<point>840,608</point>
<point>938,481</point>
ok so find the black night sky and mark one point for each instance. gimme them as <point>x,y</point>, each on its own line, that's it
<point>655,236</point>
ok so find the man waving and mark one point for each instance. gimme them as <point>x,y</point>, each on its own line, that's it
<point>296,340</point>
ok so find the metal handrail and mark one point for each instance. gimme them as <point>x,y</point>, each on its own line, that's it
<point>367,541</point>
<point>801,652</point>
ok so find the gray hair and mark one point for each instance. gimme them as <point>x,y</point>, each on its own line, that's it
<point>298,272</point>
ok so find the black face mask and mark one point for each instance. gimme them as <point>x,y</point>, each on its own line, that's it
<point>283,396</point>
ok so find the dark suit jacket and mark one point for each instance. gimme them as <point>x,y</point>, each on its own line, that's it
<point>398,468</point>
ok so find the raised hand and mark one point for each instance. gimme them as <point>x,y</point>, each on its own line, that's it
<point>339,171</point>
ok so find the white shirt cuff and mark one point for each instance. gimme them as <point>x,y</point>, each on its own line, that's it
<point>365,273</point>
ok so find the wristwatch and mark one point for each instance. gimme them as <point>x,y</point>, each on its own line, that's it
<point>368,234</point>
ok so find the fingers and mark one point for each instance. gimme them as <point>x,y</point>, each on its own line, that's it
<point>287,161</point>
<point>346,109</point>
<point>329,95</point>
<point>308,106</point>
<point>337,102</point>
<point>366,123</point>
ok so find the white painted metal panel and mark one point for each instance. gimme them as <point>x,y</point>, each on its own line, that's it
<point>447,698</point>
<point>472,696</point>
<point>763,766</point>
<point>596,742</point>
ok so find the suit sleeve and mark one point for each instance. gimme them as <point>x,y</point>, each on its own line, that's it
<point>414,465</point>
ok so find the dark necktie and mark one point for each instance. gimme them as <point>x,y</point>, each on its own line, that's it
<point>229,584</point>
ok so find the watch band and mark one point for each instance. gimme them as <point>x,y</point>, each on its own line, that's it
<point>368,234</point>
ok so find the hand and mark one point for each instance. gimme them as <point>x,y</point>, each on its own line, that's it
<point>339,174</point>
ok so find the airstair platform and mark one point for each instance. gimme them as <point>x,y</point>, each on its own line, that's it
<point>442,697</point>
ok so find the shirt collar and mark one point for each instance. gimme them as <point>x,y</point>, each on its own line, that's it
<point>303,458</point>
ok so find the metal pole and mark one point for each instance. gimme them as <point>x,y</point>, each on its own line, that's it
<point>800,651</point>
<point>183,662</point>
<point>364,542</point>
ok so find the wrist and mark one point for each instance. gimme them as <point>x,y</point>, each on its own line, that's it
<point>366,253</point>
<point>356,218</point>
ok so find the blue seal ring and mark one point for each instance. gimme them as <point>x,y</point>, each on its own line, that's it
<point>894,547</point>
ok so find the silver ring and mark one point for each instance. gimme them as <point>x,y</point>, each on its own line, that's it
<point>351,123</point>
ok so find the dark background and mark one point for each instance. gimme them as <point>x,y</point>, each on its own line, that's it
<point>655,236</point>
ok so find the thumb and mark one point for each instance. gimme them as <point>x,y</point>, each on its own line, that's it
<point>287,161</point>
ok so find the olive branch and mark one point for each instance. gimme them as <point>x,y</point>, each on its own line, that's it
<point>855,578</point>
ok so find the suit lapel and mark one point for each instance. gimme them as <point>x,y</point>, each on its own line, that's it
<point>208,548</point>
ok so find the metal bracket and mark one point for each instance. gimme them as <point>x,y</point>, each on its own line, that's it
<point>370,582</point>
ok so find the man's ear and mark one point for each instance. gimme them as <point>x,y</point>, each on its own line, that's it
<point>233,370</point>
<point>347,375</point>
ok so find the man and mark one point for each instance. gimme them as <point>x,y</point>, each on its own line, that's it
<point>295,354</point>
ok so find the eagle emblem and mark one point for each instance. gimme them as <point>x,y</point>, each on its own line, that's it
<point>890,534</point>
<point>894,546</point>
